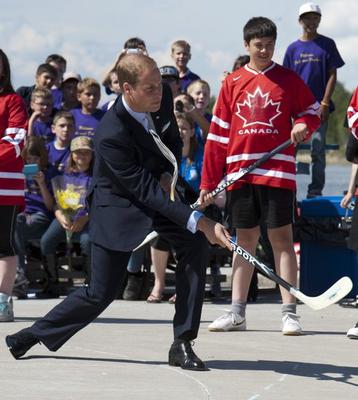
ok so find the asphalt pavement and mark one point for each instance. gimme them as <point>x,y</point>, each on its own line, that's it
<point>123,355</point>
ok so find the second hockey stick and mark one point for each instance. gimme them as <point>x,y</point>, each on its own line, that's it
<point>333,294</point>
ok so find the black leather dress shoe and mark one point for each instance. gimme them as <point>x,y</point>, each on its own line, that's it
<point>182,355</point>
<point>20,342</point>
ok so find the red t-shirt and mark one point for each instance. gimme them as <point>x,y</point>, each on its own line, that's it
<point>255,113</point>
<point>13,129</point>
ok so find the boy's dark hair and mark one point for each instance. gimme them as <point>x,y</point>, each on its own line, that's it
<point>5,79</point>
<point>134,43</point>
<point>50,69</point>
<point>57,58</point>
<point>259,27</point>
<point>240,62</point>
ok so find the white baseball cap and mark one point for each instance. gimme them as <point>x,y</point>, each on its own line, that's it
<point>309,7</point>
<point>71,75</point>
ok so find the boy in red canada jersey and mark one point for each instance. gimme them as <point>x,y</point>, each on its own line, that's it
<point>260,106</point>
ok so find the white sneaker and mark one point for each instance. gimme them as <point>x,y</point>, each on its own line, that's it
<point>6,308</point>
<point>291,325</point>
<point>353,333</point>
<point>228,322</point>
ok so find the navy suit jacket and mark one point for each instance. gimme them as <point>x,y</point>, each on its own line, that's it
<point>125,194</point>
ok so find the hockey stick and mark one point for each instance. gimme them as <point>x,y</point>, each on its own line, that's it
<point>245,171</point>
<point>335,293</point>
<point>226,184</point>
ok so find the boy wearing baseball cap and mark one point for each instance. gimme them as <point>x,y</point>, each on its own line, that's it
<point>170,75</point>
<point>315,58</point>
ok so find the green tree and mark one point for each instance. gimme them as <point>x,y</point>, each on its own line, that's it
<point>337,127</point>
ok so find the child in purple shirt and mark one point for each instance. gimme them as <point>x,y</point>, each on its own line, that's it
<point>315,58</point>
<point>88,116</point>
<point>78,172</point>
<point>63,127</point>
<point>180,52</point>
<point>111,82</point>
<point>40,121</point>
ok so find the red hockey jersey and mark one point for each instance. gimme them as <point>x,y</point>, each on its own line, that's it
<point>352,114</point>
<point>13,128</point>
<point>255,113</point>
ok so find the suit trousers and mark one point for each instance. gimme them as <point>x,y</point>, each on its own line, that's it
<point>108,270</point>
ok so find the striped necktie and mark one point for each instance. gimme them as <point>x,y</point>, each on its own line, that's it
<point>166,153</point>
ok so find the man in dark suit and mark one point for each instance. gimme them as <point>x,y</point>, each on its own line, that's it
<point>129,197</point>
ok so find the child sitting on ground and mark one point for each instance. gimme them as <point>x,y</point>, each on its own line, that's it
<point>33,222</point>
<point>78,173</point>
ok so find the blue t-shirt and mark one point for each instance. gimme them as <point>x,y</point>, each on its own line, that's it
<point>106,106</point>
<point>312,60</point>
<point>57,97</point>
<point>186,80</point>
<point>43,129</point>
<point>199,133</point>
<point>57,159</point>
<point>86,124</point>
<point>190,171</point>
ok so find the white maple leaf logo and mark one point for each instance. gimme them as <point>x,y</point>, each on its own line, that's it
<point>258,108</point>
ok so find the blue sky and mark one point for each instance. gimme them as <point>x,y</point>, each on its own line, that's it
<point>89,34</point>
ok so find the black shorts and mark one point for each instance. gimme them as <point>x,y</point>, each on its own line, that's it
<point>7,229</point>
<point>252,205</point>
<point>159,243</point>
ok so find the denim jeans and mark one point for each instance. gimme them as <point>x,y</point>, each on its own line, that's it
<point>318,156</point>
<point>55,234</point>
<point>28,227</point>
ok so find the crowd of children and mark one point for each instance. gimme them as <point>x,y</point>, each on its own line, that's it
<point>64,114</point>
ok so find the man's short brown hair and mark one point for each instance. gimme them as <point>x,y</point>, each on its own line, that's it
<point>130,67</point>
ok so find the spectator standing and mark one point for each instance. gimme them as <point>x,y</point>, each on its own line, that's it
<point>41,118</point>
<point>181,55</point>
<point>45,77</point>
<point>315,58</point>
<point>63,127</point>
<point>260,106</point>
<point>88,116</point>
<point>352,156</point>
<point>60,63</point>
<point>111,82</point>
<point>170,75</point>
<point>13,126</point>
<point>199,90</point>
<point>69,91</point>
